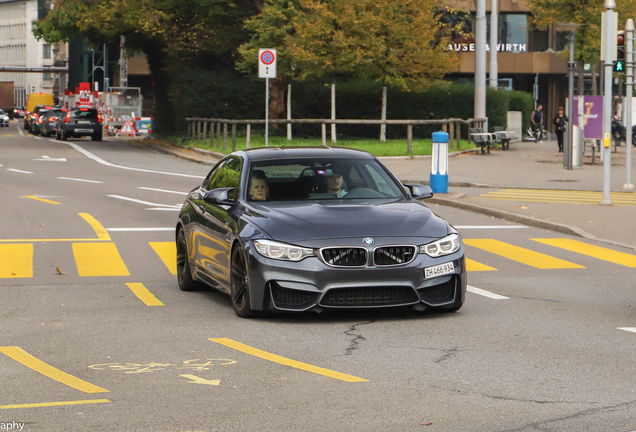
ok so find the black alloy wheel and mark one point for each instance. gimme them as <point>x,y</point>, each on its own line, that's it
<point>184,274</point>
<point>239,284</point>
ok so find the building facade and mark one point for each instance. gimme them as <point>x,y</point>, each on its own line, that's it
<point>19,48</point>
<point>526,55</point>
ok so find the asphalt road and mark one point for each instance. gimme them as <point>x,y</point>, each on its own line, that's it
<point>97,336</point>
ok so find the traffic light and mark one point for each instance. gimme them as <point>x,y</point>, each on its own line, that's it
<point>619,64</point>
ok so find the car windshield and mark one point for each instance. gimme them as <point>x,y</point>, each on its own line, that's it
<point>1,112</point>
<point>57,113</point>
<point>323,179</point>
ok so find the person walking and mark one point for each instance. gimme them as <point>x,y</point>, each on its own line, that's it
<point>537,121</point>
<point>560,121</point>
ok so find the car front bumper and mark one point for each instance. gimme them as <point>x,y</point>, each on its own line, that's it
<point>311,284</point>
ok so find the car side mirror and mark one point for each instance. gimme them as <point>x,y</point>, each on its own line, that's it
<point>219,196</point>
<point>419,191</point>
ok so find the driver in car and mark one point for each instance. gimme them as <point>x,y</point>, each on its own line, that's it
<point>335,182</point>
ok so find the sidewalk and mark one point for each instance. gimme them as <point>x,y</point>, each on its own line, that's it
<point>549,196</point>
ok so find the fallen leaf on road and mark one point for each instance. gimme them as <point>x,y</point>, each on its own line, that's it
<point>523,207</point>
<point>41,224</point>
<point>59,271</point>
<point>426,424</point>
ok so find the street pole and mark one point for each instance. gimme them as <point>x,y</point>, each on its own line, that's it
<point>610,5</point>
<point>629,90</point>
<point>494,41</point>
<point>568,145</point>
<point>266,112</point>
<point>480,60</point>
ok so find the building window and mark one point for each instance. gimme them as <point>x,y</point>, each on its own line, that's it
<point>46,76</point>
<point>513,30</point>
<point>46,51</point>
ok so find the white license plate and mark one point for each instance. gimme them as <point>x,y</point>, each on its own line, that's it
<point>83,122</point>
<point>84,130</point>
<point>439,270</point>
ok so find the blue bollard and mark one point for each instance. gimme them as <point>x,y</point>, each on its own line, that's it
<point>439,163</point>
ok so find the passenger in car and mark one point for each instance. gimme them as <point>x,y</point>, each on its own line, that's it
<point>259,186</point>
<point>335,182</point>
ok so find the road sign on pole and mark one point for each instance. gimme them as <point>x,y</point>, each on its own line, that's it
<point>267,63</point>
<point>267,70</point>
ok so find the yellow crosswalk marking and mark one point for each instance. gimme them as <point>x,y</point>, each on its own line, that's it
<point>572,197</point>
<point>167,251</point>
<point>593,251</point>
<point>476,266</point>
<point>521,255</point>
<point>16,260</point>
<point>143,294</point>
<point>99,259</point>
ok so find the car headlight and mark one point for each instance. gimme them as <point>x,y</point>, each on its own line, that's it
<point>444,246</point>
<point>281,251</point>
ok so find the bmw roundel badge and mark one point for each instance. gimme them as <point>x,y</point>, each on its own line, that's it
<point>368,241</point>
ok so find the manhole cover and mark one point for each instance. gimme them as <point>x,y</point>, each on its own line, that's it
<point>564,181</point>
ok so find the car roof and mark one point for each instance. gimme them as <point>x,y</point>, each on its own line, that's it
<point>268,153</point>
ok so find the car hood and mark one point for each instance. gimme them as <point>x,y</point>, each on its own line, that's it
<point>294,222</point>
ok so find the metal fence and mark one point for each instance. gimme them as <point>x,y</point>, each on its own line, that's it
<point>198,128</point>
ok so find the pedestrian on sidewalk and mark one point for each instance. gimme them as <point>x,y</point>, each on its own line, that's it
<point>537,120</point>
<point>560,121</point>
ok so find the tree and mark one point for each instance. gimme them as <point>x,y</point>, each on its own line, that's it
<point>396,42</point>
<point>173,34</point>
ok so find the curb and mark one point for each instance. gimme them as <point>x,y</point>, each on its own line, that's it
<point>456,153</point>
<point>525,220</point>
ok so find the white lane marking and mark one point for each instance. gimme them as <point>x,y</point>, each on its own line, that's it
<point>19,171</point>
<point>629,329</point>
<point>163,190</point>
<point>169,206</point>
<point>37,137</point>
<point>103,162</point>
<point>49,159</point>
<point>80,180</point>
<point>140,229</point>
<point>20,130</point>
<point>488,226</point>
<point>485,293</point>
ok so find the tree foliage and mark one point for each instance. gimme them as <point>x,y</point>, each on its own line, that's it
<point>393,41</point>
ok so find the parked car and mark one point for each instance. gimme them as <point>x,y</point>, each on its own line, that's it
<point>37,118</point>
<point>4,119</point>
<point>80,122</point>
<point>32,116</point>
<point>307,229</point>
<point>49,121</point>
<point>18,113</point>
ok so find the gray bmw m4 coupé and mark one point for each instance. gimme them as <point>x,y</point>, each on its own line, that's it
<point>308,229</point>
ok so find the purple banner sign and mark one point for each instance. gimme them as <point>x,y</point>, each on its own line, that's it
<point>593,114</point>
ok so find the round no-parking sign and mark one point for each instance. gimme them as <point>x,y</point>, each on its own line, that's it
<point>267,63</point>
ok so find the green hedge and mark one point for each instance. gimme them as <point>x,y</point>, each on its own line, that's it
<point>227,94</point>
